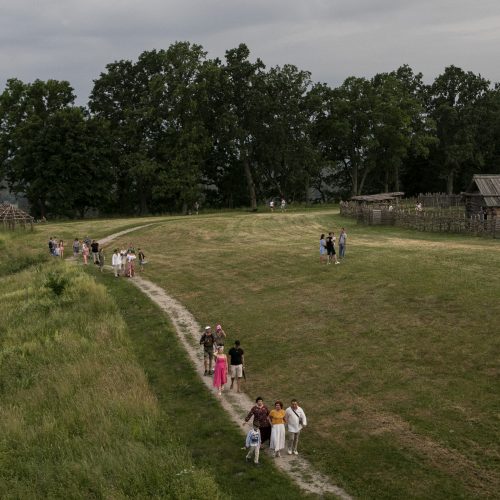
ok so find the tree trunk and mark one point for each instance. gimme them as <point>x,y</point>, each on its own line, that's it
<point>449,182</point>
<point>396,178</point>
<point>386,180</point>
<point>354,177</point>
<point>250,184</point>
<point>306,186</point>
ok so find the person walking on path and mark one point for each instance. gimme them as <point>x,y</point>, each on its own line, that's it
<point>236,355</point>
<point>85,254</point>
<point>343,242</point>
<point>283,205</point>
<point>61,249</point>
<point>220,373</point>
<point>277,418</point>
<point>131,263</point>
<point>219,336</point>
<point>116,262</point>
<point>101,259</point>
<point>142,259</point>
<point>123,266</point>
<point>296,421</point>
<point>76,247</point>
<point>260,414</point>
<point>95,251</point>
<point>253,443</point>
<point>207,341</point>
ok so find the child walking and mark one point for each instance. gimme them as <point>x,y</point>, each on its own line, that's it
<point>253,443</point>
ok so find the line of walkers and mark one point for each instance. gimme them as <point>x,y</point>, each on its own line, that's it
<point>267,425</point>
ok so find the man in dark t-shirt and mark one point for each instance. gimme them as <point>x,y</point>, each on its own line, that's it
<point>236,354</point>
<point>95,251</point>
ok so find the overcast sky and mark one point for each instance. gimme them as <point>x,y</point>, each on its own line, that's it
<point>333,39</point>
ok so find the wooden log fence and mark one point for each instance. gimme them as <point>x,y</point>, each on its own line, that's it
<point>437,220</point>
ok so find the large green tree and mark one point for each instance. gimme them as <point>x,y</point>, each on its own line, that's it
<point>54,154</point>
<point>456,96</point>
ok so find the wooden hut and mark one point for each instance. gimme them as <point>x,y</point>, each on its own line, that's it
<point>12,217</point>
<point>483,197</point>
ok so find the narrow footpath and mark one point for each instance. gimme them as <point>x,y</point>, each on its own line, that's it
<point>236,405</point>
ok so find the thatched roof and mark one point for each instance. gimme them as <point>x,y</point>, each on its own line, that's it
<point>378,198</point>
<point>11,215</point>
<point>486,186</point>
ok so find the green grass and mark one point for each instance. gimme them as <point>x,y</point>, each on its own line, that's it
<point>200,422</point>
<point>77,417</point>
<point>394,353</point>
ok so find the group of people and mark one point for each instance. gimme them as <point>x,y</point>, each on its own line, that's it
<point>56,247</point>
<point>123,261</point>
<point>282,205</point>
<point>327,251</point>
<point>270,426</point>
<point>216,363</point>
<point>267,425</point>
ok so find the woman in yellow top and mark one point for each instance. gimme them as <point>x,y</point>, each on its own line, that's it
<point>277,420</point>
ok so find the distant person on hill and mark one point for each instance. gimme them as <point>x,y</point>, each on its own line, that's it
<point>342,243</point>
<point>207,341</point>
<point>271,205</point>
<point>252,443</point>
<point>85,253</point>
<point>142,259</point>
<point>116,262</point>
<point>101,259</point>
<point>95,251</point>
<point>322,249</point>
<point>332,254</point>
<point>237,357</point>
<point>296,421</point>
<point>283,205</point>
<point>220,372</point>
<point>196,207</point>
<point>61,249</point>
<point>76,247</point>
<point>260,414</point>
<point>51,249</point>
<point>131,264</point>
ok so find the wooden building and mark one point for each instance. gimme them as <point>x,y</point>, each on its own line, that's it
<point>483,197</point>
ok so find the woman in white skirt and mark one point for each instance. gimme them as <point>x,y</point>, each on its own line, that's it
<point>277,420</point>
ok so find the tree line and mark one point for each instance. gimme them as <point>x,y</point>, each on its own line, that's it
<point>175,127</point>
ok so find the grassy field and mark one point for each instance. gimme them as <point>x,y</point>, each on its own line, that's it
<point>91,402</point>
<point>394,353</point>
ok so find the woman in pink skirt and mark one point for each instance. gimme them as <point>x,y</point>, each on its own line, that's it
<point>220,373</point>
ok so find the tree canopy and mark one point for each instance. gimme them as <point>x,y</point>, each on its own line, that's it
<point>175,128</point>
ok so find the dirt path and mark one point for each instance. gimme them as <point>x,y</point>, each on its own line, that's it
<point>236,405</point>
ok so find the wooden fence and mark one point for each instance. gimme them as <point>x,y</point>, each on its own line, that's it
<point>432,220</point>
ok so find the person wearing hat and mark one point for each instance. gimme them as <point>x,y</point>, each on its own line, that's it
<point>207,341</point>
<point>219,336</point>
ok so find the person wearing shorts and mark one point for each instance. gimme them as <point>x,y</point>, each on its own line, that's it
<point>207,341</point>
<point>236,354</point>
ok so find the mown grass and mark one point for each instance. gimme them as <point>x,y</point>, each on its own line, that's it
<point>77,416</point>
<point>394,353</point>
<point>200,422</point>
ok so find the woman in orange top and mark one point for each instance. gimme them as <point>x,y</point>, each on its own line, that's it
<point>277,420</point>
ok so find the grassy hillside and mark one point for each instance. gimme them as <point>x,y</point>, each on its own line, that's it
<point>393,353</point>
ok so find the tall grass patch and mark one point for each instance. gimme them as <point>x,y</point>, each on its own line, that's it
<point>77,417</point>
